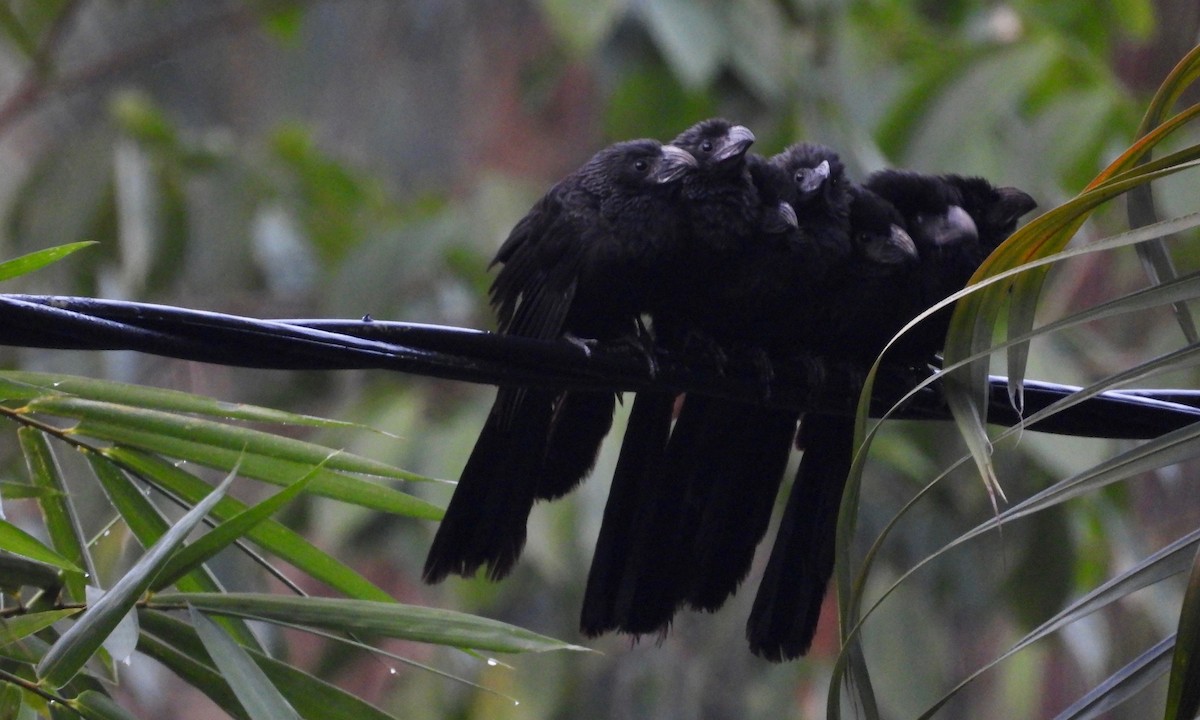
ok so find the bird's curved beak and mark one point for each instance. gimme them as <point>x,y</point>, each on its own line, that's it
<point>676,161</point>
<point>814,178</point>
<point>786,215</point>
<point>952,228</point>
<point>897,249</point>
<point>903,244</point>
<point>737,141</point>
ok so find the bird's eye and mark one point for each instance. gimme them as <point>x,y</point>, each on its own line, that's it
<point>799,176</point>
<point>641,165</point>
<point>706,146</point>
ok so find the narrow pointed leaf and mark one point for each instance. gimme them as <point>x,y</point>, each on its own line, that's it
<point>1169,561</point>
<point>194,668</point>
<point>422,624</point>
<point>1123,684</point>
<point>94,705</point>
<point>68,655</point>
<point>254,691</point>
<point>269,535</point>
<point>175,644</point>
<point>209,432</point>
<point>227,533</point>
<point>21,572</point>
<point>18,542</point>
<point>15,628</point>
<point>43,384</point>
<point>36,260</point>
<point>62,522</point>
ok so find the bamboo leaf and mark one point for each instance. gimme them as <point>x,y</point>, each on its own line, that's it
<point>442,627</point>
<point>225,534</point>
<point>29,385</point>
<point>207,432</point>
<point>270,535</point>
<point>148,525</point>
<point>36,260</point>
<point>17,627</point>
<point>98,706</point>
<point>18,542</point>
<point>254,691</point>
<point>61,520</point>
<point>80,641</point>
<point>181,650</point>
<point>272,469</point>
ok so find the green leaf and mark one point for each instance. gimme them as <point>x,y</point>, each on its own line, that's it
<point>19,572</point>
<point>1183,693</point>
<point>18,542</point>
<point>1168,561</point>
<point>193,667</point>
<point>207,432</point>
<point>270,535</point>
<point>61,520</point>
<point>261,700</point>
<point>29,385</point>
<point>36,260</point>
<point>12,701</point>
<point>98,706</point>
<point>180,649</point>
<point>13,629</point>
<point>68,655</point>
<point>24,491</point>
<point>227,533</point>
<point>421,624</point>
<point>148,525</point>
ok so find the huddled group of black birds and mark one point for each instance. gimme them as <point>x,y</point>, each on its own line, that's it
<point>728,254</point>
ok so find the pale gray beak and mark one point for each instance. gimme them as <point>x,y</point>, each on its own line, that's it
<point>675,163</point>
<point>737,141</point>
<point>811,179</point>
<point>950,229</point>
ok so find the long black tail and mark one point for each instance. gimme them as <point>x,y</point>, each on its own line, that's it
<point>485,521</point>
<point>581,420</point>
<point>788,605</point>
<point>740,456</point>
<point>618,588</point>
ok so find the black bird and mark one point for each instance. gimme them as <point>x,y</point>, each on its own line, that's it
<point>580,264</point>
<point>954,223</point>
<point>788,602</point>
<point>731,455</point>
<point>706,502</point>
<point>719,213</point>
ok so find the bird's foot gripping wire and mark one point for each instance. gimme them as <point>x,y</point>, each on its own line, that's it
<point>641,343</point>
<point>584,344</point>
<point>701,349</point>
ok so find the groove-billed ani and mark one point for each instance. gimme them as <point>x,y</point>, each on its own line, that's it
<point>955,223</point>
<point>731,456</point>
<point>581,262</point>
<point>720,212</point>
<point>710,497</point>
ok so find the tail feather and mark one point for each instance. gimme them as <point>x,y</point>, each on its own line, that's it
<point>787,608</point>
<point>616,582</point>
<point>581,421</point>
<point>485,521</point>
<point>743,454</point>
